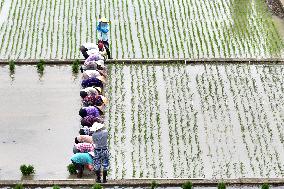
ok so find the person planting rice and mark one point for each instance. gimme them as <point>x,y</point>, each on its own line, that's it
<point>94,82</point>
<point>103,29</point>
<point>83,148</point>
<point>92,73</point>
<point>90,120</point>
<point>95,111</point>
<point>91,48</point>
<point>81,160</point>
<point>83,139</point>
<point>92,100</point>
<point>90,91</point>
<point>101,153</point>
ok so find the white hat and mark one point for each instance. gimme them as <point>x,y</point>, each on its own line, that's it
<point>92,51</point>
<point>96,126</point>
<point>92,154</point>
<point>104,99</point>
<point>101,62</point>
<point>102,79</point>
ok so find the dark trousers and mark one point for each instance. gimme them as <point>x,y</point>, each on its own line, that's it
<point>84,51</point>
<point>106,44</point>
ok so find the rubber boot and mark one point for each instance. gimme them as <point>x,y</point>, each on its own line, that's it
<point>98,173</point>
<point>104,176</point>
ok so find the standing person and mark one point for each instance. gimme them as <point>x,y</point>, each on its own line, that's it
<point>101,153</point>
<point>81,160</point>
<point>103,29</point>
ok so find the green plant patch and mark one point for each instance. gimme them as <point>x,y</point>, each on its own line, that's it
<point>27,169</point>
<point>71,169</point>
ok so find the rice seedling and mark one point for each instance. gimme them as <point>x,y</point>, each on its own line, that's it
<point>265,186</point>
<point>75,66</point>
<point>55,187</point>
<point>27,170</point>
<point>187,185</point>
<point>71,169</point>
<point>97,186</point>
<point>19,186</point>
<point>12,66</point>
<point>40,66</point>
<point>154,185</point>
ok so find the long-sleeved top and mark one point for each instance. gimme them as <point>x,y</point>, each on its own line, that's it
<point>92,110</point>
<point>90,120</point>
<point>85,147</point>
<point>82,158</point>
<point>91,91</point>
<point>85,139</point>
<point>93,81</point>
<point>100,139</point>
<point>93,57</point>
<point>93,100</point>
<point>103,29</point>
<point>91,73</point>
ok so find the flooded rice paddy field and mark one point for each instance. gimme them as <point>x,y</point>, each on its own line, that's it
<point>197,121</point>
<point>38,120</point>
<point>140,28</point>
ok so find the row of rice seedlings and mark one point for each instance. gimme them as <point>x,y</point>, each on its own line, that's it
<point>126,32</point>
<point>133,118</point>
<point>129,30</point>
<point>272,86</point>
<point>213,108</point>
<point>140,124</point>
<point>143,27</point>
<point>261,120</point>
<point>146,119</point>
<point>254,123</point>
<point>7,29</point>
<point>157,122</point>
<point>208,121</point>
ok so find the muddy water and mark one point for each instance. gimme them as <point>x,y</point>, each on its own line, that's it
<point>38,120</point>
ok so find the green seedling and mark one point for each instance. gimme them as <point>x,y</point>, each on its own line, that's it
<point>97,186</point>
<point>71,169</point>
<point>55,187</point>
<point>12,66</point>
<point>75,66</point>
<point>221,185</point>
<point>265,186</point>
<point>19,186</point>
<point>187,185</point>
<point>154,184</point>
<point>27,169</point>
<point>40,66</point>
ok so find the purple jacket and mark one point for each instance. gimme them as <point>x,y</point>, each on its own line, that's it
<point>92,82</point>
<point>92,110</point>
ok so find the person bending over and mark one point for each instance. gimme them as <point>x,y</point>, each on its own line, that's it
<point>81,160</point>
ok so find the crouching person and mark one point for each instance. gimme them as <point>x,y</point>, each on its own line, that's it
<point>81,160</point>
<point>101,153</point>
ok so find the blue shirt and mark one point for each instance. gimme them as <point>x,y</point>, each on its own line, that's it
<point>82,158</point>
<point>102,31</point>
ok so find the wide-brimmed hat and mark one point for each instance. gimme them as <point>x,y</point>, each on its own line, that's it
<point>102,79</point>
<point>103,20</point>
<point>92,51</point>
<point>98,89</point>
<point>96,126</point>
<point>101,108</point>
<point>104,99</point>
<point>100,62</point>
<point>92,154</point>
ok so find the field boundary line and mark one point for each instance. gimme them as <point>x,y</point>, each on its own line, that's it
<point>143,182</point>
<point>157,61</point>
